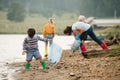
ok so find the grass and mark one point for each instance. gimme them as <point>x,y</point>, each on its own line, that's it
<point>114,52</point>
<point>110,31</point>
<point>35,21</point>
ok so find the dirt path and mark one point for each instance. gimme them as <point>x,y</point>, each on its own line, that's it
<point>75,67</point>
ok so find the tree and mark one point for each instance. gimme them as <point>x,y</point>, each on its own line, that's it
<point>16,12</point>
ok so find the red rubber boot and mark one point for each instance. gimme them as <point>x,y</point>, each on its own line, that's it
<point>83,48</point>
<point>104,46</point>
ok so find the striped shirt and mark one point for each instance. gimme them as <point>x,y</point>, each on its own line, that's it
<point>32,44</point>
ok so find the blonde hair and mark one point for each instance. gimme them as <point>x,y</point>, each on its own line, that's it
<point>50,20</point>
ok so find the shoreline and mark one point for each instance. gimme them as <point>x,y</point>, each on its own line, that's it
<point>99,66</point>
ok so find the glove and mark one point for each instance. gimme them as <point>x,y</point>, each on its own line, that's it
<point>77,37</point>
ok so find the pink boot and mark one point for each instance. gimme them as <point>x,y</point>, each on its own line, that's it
<point>104,46</point>
<point>83,48</point>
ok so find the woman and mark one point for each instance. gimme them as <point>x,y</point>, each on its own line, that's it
<point>84,29</point>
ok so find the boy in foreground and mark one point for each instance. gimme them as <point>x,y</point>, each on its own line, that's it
<point>30,47</point>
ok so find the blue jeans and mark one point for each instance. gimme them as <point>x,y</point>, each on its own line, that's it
<point>91,33</point>
<point>49,36</point>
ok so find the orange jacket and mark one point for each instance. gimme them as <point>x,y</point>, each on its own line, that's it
<point>48,29</point>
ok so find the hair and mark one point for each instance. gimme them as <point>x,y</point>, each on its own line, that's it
<point>31,32</point>
<point>50,20</point>
<point>68,30</point>
<point>81,18</point>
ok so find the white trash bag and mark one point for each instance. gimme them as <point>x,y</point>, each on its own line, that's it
<point>55,53</point>
<point>75,46</point>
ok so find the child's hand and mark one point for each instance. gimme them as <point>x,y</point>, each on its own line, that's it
<point>24,52</point>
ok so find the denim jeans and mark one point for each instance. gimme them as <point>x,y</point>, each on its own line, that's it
<point>50,37</point>
<point>91,33</point>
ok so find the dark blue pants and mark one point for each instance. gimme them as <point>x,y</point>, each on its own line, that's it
<point>91,33</point>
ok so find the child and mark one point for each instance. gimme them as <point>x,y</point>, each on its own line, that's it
<point>30,46</point>
<point>49,33</point>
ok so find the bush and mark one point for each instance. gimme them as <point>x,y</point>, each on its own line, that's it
<point>16,12</point>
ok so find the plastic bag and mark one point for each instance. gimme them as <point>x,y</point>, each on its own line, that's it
<point>75,46</point>
<point>55,53</point>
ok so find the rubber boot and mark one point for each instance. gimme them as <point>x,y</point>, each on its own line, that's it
<point>43,64</point>
<point>27,66</point>
<point>85,55</point>
<point>46,52</point>
<point>83,48</point>
<point>104,46</point>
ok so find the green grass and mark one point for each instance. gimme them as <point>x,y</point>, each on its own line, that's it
<point>109,31</point>
<point>35,21</point>
<point>115,52</point>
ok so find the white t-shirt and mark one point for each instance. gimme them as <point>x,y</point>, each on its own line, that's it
<point>82,25</point>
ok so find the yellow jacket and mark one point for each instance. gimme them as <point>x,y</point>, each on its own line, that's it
<point>48,29</point>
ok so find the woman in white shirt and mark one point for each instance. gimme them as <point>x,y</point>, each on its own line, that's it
<point>84,29</point>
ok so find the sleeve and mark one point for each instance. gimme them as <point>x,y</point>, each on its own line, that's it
<point>42,39</point>
<point>44,31</point>
<point>25,44</point>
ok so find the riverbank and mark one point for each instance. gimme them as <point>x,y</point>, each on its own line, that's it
<point>74,67</point>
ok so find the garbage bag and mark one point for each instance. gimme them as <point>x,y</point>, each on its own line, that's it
<point>75,45</point>
<point>55,53</point>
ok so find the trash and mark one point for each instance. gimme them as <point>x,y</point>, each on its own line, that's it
<point>72,74</point>
<point>75,46</point>
<point>55,53</point>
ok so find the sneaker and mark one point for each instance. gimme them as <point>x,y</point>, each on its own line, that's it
<point>85,55</point>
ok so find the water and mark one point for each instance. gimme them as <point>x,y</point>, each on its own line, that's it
<point>11,51</point>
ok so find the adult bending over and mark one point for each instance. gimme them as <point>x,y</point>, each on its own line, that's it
<point>84,29</point>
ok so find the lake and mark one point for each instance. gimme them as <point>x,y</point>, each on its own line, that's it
<point>11,50</point>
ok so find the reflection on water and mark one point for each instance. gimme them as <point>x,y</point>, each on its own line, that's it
<point>6,72</point>
<point>11,48</point>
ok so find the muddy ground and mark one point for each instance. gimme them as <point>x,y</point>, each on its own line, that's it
<point>74,67</point>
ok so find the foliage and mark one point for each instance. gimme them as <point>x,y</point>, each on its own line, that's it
<point>34,20</point>
<point>48,8</point>
<point>112,31</point>
<point>16,12</point>
<point>114,52</point>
